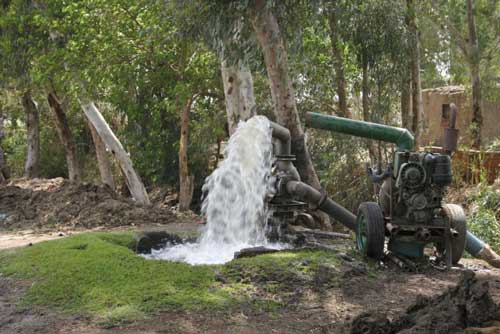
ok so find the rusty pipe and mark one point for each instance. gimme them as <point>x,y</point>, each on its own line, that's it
<point>450,137</point>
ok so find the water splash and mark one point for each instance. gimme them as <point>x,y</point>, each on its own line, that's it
<point>234,207</point>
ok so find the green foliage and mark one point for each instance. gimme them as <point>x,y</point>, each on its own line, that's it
<point>484,219</point>
<point>444,60</point>
<point>340,163</point>
<point>142,60</point>
<point>15,148</point>
<point>137,59</point>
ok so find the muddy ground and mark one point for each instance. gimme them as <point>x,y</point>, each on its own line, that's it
<point>393,302</point>
<point>56,204</point>
<point>363,299</point>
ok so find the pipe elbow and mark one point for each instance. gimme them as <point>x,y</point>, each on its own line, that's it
<point>283,135</point>
<point>405,141</point>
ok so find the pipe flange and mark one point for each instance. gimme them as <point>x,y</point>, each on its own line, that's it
<point>287,157</point>
<point>321,201</point>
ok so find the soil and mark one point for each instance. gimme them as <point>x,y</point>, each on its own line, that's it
<point>354,297</point>
<point>457,301</point>
<point>56,204</point>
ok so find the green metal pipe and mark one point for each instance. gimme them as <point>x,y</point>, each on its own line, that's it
<point>401,137</point>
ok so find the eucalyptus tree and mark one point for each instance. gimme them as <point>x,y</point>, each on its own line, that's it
<point>272,43</point>
<point>416,86</point>
<point>379,38</point>
<point>20,41</point>
<point>140,59</point>
<point>336,15</point>
<point>225,30</point>
<point>469,34</point>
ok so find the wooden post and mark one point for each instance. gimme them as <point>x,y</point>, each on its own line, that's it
<point>134,182</point>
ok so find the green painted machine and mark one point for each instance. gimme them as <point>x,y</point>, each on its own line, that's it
<point>410,212</point>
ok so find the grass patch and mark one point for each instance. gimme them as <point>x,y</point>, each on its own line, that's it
<point>97,274</point>
<point>120,315</point>
<point>280,279</point>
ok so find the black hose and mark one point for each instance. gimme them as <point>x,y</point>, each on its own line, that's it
<point>306,193</point>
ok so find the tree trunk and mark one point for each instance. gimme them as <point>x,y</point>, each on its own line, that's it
<point>365,93</point>
<point>338,61</point>
<point>474,57</point>
<point>406,101</point>
<point>103,160</point>
<point>365,101</point>
<point>186,182</point>
<point>417,107</point>
<point>271,41</point>
<point>32,166</point>
<point>4,174</point>
<point>134,182</point>
<point>66,138</point>
<point>238,93</point>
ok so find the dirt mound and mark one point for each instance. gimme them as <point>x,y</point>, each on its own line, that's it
<point>56,203</point>
<point>462,309</point>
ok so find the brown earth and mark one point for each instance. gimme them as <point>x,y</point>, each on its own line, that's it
<point>462,300</point>
<point>57,204</point>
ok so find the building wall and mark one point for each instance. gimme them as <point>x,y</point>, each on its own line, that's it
<point>433,100</point>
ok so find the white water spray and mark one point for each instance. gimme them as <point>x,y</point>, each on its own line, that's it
<point>234,207</point>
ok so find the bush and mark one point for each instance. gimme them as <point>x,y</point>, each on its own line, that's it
<point>484,217</point>
<point>339,161</point>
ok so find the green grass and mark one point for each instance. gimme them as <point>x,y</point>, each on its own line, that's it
<point>96,274</point>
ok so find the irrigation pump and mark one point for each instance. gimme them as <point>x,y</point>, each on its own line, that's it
<point>410,212</point>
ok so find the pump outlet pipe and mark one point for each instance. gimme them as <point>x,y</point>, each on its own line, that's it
<point>401,137</point>
<point>404,142</point>
<point>301,191</point>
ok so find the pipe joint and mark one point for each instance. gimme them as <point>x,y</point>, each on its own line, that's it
<point>285,139</point>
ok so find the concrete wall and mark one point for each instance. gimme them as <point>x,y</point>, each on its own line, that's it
<point>433,100</point>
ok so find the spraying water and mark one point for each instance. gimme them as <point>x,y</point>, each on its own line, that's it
<point>234,206</point>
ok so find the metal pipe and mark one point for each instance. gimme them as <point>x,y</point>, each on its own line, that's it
<point>392,229</point>
<point>401,137</point>
<point>453,115</point>
<point>283,151</point>
<point>308,194</point>
<point>283,135</point>
<point>450,137</point>
<point>473,245</point>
